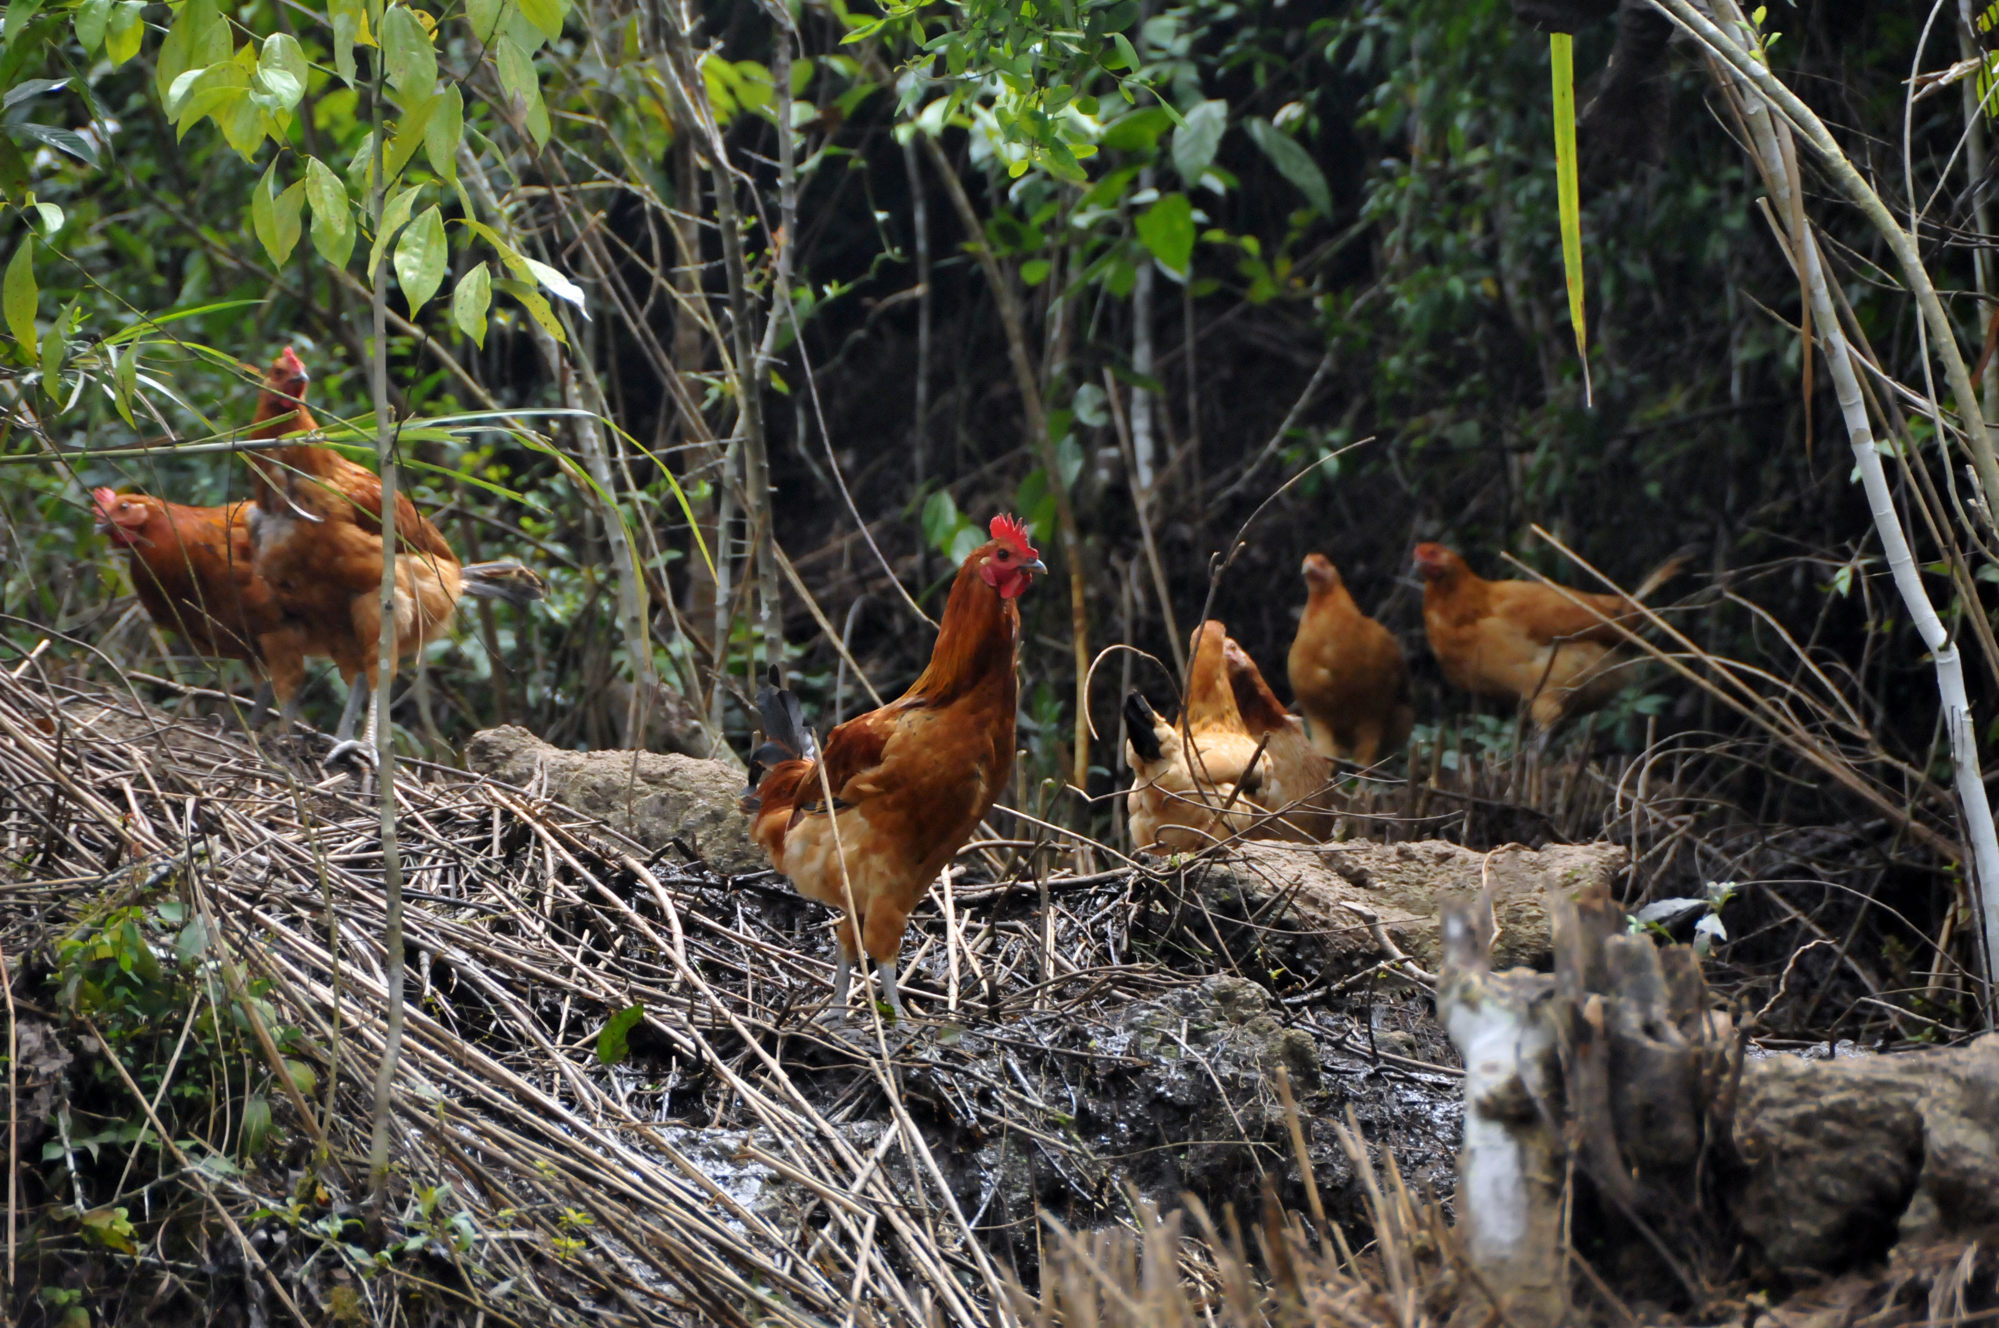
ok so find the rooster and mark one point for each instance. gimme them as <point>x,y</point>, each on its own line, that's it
<point>1347,672</point>
<point>316,532</point>
<point>1552,650</point>
<point>191,567</point>
<point>909,781</point>
<point>1300,782</point>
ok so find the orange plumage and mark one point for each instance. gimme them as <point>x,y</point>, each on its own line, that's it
<point>317,535</point>
<point>910,781</point>
<point>191,567</point>
<point>1347,672</point>
<point>1300,785</point>
<point>1214,776</point>
<point>1552,651</point>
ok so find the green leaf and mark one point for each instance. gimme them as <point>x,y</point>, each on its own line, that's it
<point>485,17</point>
<point>471,301</point>
<point>282,70</point>
<point>63,140</point>
<point>1166,229</point>
<point>20,13</point>
<point>92,17</point>
<point>1568,194</point>
<point>517,76</point>
<point>408,56</point>
<point>124,378</point>
<point>1194,147</point>
<point>393,216</point>
<point>1136,131</point>
<point>276,217</point>
<point>546,15</point>
<point>54,347</point>
<point>444,132</point>
<point>556,284</point>
<point>333,231</point>
<point>420,258</point>
<point>197,39</point>
<point>1034,271</point>
<point>19,295</point>
<point>409,136</point>
<point>122,39</point>
<point>1293,163</point>
<point>537,306</point>
<point>350,26</point>
<point>614,1039</point>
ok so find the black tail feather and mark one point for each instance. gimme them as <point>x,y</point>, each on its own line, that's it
<point>786,734</point>
<point>1139,722</point>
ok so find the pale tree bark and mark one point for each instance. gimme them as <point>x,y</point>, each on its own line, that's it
<point>1778,165</point>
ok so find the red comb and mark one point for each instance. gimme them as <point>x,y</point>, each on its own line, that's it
<point>1010,530</point>
<point>102,497</point>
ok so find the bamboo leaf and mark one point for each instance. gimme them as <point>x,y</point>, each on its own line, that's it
<point>1561,60</point>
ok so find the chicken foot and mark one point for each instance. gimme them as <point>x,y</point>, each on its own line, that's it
<point>843,977</point>
<point>344,744</point>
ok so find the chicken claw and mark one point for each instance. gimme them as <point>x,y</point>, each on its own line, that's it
<point>353,747</point>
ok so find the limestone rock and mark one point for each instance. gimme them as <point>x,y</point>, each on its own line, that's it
<point>1847,1157</point>
<point>1297,897</point>
<point>653,798</point>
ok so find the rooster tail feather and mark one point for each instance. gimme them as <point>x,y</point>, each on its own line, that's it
<point>1140,723</point>
<point>785,729</point>
<point>508,581</point>
<point>1661,574</point>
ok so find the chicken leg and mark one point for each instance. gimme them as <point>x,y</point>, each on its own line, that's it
<point>344,744</point>
<point>843,977</point>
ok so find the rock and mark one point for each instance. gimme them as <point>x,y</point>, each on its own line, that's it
<point>1296,897</point>
<point>653,798</point>
<point>1847,1157</point>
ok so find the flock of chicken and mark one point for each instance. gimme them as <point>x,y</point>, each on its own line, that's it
<point>295,572</point>
<point>1237,764</point>
<point>866,822</point>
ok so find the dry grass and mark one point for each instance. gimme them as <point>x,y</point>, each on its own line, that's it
<point>534,1181</point>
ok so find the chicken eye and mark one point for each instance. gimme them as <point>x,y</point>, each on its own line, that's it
<point>1004,555</point>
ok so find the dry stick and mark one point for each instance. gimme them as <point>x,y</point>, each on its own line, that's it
<point>1841,172</point>
<point>1037,422</point>
<point>385,671</point>
<point>582,394</point>
<point>13,1120</point>
<point>819,616</point>
<point>1754,708</point>
<point>1949,666</point>
<point>749,374</point>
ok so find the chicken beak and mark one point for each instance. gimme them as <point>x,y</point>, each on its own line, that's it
<point>1037,566</point>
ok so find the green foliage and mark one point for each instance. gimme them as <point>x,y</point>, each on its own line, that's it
<point>147,977</point>
<point>614,1039</point>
